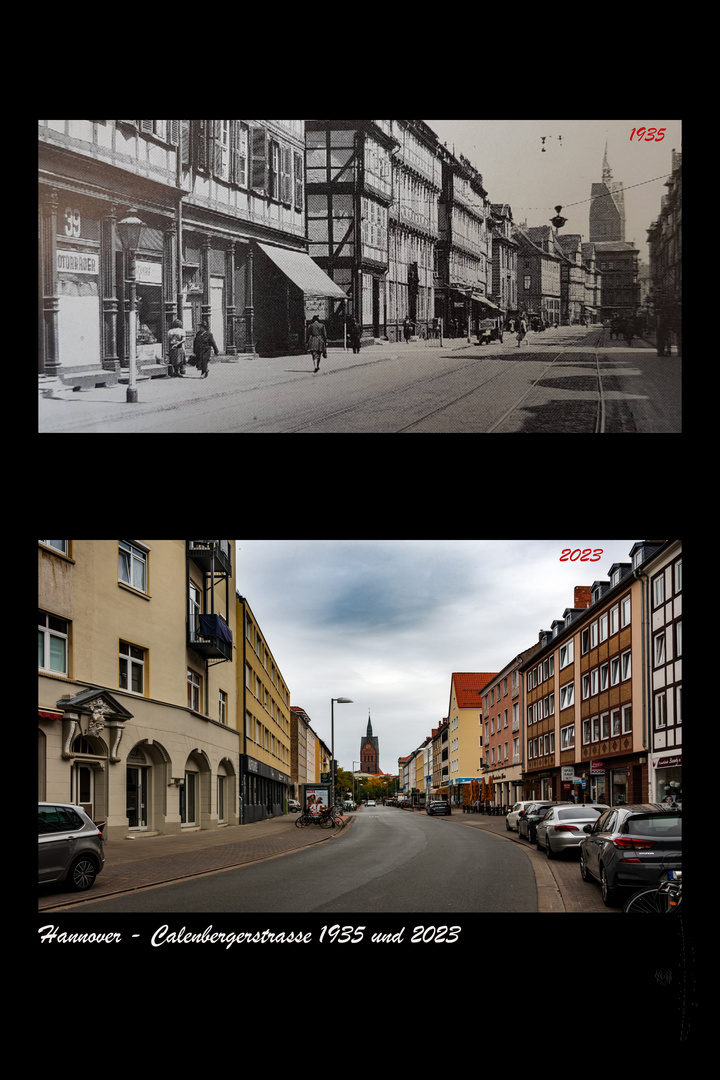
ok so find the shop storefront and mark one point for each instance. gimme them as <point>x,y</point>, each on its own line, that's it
<point>667,777</point>
<point>264,790</point>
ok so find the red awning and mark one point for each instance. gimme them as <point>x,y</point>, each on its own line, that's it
<point>49,714</point>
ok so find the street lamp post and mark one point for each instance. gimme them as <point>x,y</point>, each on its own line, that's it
<point>340,701</point>
<point>129,230</point>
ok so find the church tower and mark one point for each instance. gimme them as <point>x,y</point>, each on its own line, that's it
<point>607,210</point>
<point>369,752</point>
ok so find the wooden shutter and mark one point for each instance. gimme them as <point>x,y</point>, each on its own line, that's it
<point>259,143</point>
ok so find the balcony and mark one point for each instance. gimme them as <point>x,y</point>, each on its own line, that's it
<point>211,554</point>
<point>211,637</point>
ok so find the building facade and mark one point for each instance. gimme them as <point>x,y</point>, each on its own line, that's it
<point>222,203</point>
<point>504,259</point>
<point>464,250</point>
<point>264,703</point>
<point>137,686</point>
<point>665,241</point>
<point>539,275</point>
<point>465,722</point>
<point>620,268</point>
<point>503,739</point>
<point>664,589</point>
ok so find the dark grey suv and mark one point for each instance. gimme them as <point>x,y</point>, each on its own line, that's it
<point>70,846</point>
<point>439,807</point>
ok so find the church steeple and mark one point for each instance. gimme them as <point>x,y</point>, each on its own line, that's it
<point>369,751</point>
<point>369,730</point>
<point>607,171</point>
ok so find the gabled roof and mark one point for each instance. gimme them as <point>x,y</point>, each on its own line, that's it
<point>469,686</point>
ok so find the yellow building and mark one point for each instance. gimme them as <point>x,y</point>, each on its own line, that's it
<point>137,684</point>
<point>264,701</point>
<point>465,734</point>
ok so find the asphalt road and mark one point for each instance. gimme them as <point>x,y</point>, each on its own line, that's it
<point>388,862</point>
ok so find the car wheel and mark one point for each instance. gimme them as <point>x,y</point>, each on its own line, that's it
<point>584,872</point>
<point>507,825</point>
<point>538,845</point>
<point>548,850</point>
<point>608,894</point>
<point>82,873</point>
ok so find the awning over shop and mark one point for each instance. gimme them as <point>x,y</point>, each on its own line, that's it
<point>303,272</point>
<point>484,300</point>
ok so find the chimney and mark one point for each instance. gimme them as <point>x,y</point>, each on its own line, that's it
<point>583,596</point>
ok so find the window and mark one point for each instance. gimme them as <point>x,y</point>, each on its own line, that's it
<point>132,668</point>
<point>660,710</point>
<point>59,545</point>
<point>222,707</point>
<point>193,690</point>
<point>567,696</point>
<point>615,722</point>
<point>52,643</point>
<point>659,590</point>
<point>132,566</point>
<point>614,619</point>
<point>615,671</point>
<point>567,737</point>
<point>603,677</point>
<point>625,611</point>
<point>585,686</point>
<point>626,664</point>
<point>659,648</point>
<point>566,654</point>
<point>605,725</point>
<point>626,719</point>
<point>604,627</point>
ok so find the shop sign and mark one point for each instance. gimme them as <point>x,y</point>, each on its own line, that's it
<point>597,768</point>
<point>673,762</point>
<point>149,273</point>
<point>568,771</point>
<point>77,262</point>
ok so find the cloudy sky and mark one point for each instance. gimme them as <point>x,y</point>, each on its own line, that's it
<point>386,622</point>
<point>509,155</point>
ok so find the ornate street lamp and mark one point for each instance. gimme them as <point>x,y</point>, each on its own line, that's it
<point>559,222</point>
<point>129,230</point>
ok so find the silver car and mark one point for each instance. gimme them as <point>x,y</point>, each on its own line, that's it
<point>511,820</point>
<point>562,826</point>
<point>70,846</point>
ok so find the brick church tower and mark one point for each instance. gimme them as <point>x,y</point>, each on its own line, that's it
<point>369,752</point>
<point>607,211</point>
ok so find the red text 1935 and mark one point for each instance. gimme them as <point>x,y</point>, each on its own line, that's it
<point>648,134</point>
<point>581,555</point>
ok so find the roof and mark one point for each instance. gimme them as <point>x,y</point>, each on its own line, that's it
<point>469,686</point>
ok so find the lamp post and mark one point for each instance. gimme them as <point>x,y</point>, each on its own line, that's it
<point>129,230</point>
<point>340,701</point>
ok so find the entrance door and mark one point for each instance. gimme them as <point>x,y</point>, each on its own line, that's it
<point>83,786</point>
<point>137,797</point>
<point>217,302</point>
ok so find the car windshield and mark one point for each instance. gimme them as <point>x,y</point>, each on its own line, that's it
<point>540,809</point>
<point>654,825</point>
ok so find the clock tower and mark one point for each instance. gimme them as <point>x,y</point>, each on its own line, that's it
<point>369,752</point>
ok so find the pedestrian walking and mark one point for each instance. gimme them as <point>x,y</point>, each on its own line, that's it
<point>354,334</point>
<point>407,330</point>
<point>628,330</point>
<point>176,344</point>
<point>203,348</point>
<point>317,342</point>
<point>522,330</point>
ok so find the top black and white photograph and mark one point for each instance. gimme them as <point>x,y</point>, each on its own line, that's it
<point>360,276</point>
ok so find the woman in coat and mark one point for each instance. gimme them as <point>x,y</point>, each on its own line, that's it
<point>203,349</point>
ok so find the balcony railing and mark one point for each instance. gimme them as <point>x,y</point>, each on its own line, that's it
<point>210,636</point>
<point>208,552</point>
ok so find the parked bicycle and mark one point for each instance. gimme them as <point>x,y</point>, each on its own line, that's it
<point>326,819</point>
<point>664,898</point>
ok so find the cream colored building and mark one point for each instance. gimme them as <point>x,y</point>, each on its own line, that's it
<point>465,731</point>
<point>137,684</point>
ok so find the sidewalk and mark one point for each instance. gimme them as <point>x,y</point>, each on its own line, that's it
<point>156,860</point>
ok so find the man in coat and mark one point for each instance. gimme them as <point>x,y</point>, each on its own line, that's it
<point>317,342</point>
<point>203,348</point>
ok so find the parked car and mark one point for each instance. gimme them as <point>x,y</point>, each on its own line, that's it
<point>632,847</point>
<point>511,821</point>
<point>370,802</point>
<point>528,819</point>
<point>439,807</point>
<point>294,806</point>
<point>562,827</point>
<point>70,846</point>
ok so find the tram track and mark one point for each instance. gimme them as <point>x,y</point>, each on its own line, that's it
<point>374,401</point>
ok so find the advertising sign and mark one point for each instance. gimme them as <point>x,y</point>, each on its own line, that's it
<point>316,797</point>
